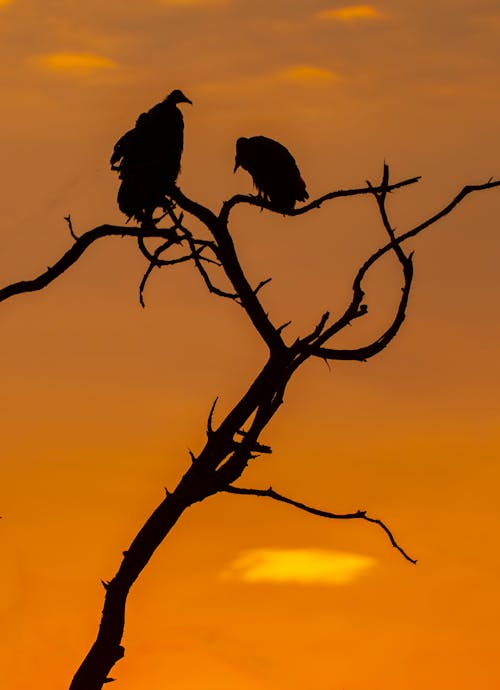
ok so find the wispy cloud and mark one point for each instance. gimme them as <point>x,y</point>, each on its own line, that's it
<point>307,74</point>
<point>75,62</point>
<point>350,13</point>
<point>302,566</point>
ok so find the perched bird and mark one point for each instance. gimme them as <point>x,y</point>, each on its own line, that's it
<point>148,158</point>
<point>273,169</point>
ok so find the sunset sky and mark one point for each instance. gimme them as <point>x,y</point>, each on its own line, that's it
<point>101,398</point>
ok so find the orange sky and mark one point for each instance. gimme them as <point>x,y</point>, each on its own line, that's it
<point>101,398</point>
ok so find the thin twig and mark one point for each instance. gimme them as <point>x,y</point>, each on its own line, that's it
<point>317,330</point>
<point>158,263</point>
<point>261,285</point>
<point>358,515</point>
<point>70,226</point>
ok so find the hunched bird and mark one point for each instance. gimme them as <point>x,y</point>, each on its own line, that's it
<point>148,158</point>
<point>273,169</point>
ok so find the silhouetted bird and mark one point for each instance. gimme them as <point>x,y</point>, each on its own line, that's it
<point>148,158</point>
<point>273,169</point>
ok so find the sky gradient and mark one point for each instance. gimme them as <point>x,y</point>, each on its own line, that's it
<point>101,399</point>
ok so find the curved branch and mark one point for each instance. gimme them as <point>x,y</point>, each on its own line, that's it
<point>72,255</point>
<point>465,191</point>
<point>358,515</point>
<point>361,354</point>
<point>155,262</point>
<point>357,309</point>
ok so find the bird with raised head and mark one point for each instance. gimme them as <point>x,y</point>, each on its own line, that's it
<point>273,169</point>
<point>148,158</point>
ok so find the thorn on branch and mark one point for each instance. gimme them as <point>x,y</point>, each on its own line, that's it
<point>261,285</point>
<point>210,429</point>
<point>105,584</point>
<point>192,456</point>
<point>281,328</point>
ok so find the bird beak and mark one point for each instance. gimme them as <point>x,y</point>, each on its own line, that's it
<point>188,101</point>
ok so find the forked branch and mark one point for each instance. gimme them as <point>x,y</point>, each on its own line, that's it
<point>356,308</point>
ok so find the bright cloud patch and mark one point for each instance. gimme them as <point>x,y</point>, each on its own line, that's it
<point>350,13</point>
<point>307,73</point>
<point>303,566</point>
<point>75,62</point>
<point>4,2</point>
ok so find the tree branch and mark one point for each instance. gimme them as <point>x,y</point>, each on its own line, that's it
<point>72,255</point>
<point>228,205</point>
<point>226,253</point>
<point>358,515</point>
<point>364,353</point>
<point>357,309</point>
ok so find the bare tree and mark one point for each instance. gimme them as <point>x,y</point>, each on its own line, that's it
<point>233,442</point>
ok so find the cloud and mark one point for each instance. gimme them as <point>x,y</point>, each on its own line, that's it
<point>82,63</point>
<point>350,13</point>
<point>307,74</point>
<point>4,2</point>
<point>302,566</point>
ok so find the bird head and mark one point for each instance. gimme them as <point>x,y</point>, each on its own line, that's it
<point>178,97</point>
<point>240,147</point>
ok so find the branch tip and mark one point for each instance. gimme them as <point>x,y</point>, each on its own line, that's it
<point>70,226</point>
<point>359,514</point>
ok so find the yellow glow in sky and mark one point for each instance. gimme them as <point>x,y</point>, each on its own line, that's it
<point>304,566</point>
<point>75,62</point>
<point>4,2</point>
<point>308,73</point>
<point>350,12</point>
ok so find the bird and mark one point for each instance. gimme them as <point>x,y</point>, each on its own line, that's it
<point>273,169</point>
<point>148,158</point>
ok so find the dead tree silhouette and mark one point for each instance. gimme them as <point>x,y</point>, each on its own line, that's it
<point>234,441</point>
